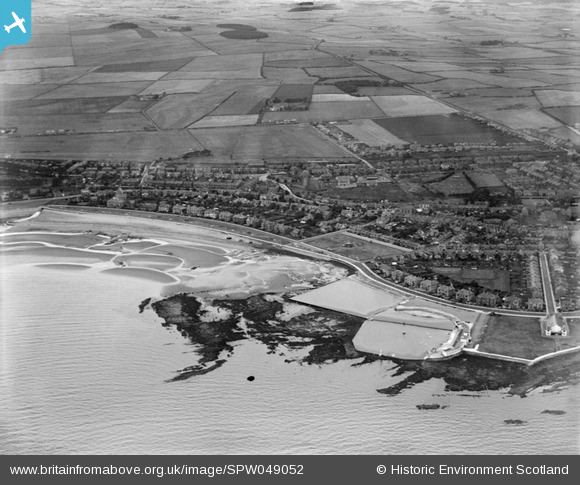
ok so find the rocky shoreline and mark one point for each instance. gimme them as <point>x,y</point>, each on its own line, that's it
<point>214,326</point>
<point>326,337</point>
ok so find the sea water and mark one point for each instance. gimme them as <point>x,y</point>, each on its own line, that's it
<point>82,371</point>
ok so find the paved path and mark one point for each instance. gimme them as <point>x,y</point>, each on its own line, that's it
<point>549,297</point>
<point>305,249</point>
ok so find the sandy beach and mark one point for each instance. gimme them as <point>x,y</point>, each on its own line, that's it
<point>181,257</point>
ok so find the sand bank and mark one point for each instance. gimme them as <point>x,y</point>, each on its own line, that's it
<point>183,258</point>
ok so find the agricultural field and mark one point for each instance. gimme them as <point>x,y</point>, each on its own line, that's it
<point>288,92</point>
<point>118,77</point>
<point>95,90</point>
<point>32,53</point>
<point>322,98</point>
<point>329,111</point>
<point>224,63</point>
<point>133,146</point>
<point>349,31</point>
<point>495,80</point>
<point>247,100</point>
<point>480,104</point>
<point>90,71</point>
<point>60,75</point>
<point>163,65</point>
<point>542,76</point>
<point>319,62</point>
<point>383,91</point>
<point>427,66</point>
<point>337,72</point>
<point>94,51</point>
<point>177,86</point>
<point>270,142</point>
<point>355,247</point>
<point>222,121</point>
<point>34,107</point>
<point>441,129</point>
<point>181,110</point>
<point>398,74</point>
<point>76,123</point>
<point>447,85</point>
<point>326,89</point>
<point>131,105</point>
<point>569,115</point>
<point>288,55</point>
<point>410,105</point>
<point>288,75</point>
<point>506,52</point>
<point>367,131</point>
<point>550,98</point>
<point>502,92</point>
<point>38,63</point>
<point>17,92</point>
<point>252,73</point>
<point>519,119</point>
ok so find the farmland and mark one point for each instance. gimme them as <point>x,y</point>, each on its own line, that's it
<point>35,107</point>
<point>337,72</point>
<point>118,77</point>
<point>96,90</point>
<point>274,142</point>
<point>398,74</point>
<point>248,99</point>
<point>569,115</point>
<point>138,146</point>
<point>523,118</point>
<point>92,72</point>
<point>221,121</point>
<point>78,123</point>
<point>370,133</point>
<point>550,98</point>
<point>224,63</point>
<point>288,92</point>
<point>330,111</point>
<point>181,110</point>
<point>175,87</point>
<point>394,106</point>
<point>441,129</point>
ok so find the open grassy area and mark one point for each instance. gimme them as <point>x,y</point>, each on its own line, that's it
<point>355,247</point>
<point>441,129</point>
<point>259,142</point>
<point>138,146</point>
<point>521,337</point>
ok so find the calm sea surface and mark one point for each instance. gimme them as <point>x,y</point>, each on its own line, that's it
<point>81,371</point>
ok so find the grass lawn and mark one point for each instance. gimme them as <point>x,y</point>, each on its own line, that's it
<point>521,337</point>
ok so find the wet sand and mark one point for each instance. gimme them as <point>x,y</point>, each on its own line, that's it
<point>184,258</point>
<point>135,227</point>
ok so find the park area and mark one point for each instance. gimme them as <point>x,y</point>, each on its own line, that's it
<point>356,247</point>
<point>521,337</point>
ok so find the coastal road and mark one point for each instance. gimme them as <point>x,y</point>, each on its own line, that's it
<point>304,249</point>
<point>16,208</point>
<point>365,271</point>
